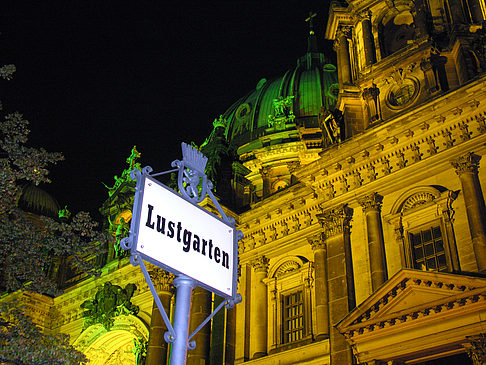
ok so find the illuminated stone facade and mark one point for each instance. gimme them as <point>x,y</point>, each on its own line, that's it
<point>364,229</point>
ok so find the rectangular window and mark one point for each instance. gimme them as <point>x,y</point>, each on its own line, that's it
<point>428,250</point>
<point>293,317</point>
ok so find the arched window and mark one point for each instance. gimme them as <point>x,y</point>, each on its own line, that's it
<point>422,221</point>
<point>289,317</point>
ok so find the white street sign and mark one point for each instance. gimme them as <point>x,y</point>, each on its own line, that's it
<point>185,239</point>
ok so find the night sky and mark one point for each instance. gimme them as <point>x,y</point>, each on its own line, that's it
<point>95,78</point>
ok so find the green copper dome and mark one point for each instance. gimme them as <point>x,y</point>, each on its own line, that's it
<point>276,109</point>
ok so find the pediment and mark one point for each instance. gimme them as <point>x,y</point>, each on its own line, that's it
<point>413,293</point>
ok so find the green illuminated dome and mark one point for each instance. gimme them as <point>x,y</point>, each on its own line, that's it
<point>283,123</point>
<point>277,109</point>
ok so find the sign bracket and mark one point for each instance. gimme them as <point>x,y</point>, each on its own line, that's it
<point>193,186</point>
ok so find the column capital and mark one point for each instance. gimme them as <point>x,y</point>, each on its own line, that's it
<point>336,220</point>
<point>317,242</point>
<point>162,280</point>
<point>476,348</point>
<point>265,171</point>
<point>364,15</point>
<point>344,31</point>
<point>260,264</point>
<point>371,202</point>
<point>466,163</point>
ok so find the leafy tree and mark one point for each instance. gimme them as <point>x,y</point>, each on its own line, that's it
<point>22,343</point>
<point>28,247</point>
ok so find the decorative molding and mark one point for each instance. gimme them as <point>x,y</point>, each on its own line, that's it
<point>417,199</point>
<point>336,221</point>
<point>467,163</point>
<point>371,202</point>
<point>476,348</point>
<point>287,267</point>
<point>260,264</point>
<point>317,242</point>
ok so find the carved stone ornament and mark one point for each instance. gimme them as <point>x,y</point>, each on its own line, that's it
<point>467,163</point>
<point>336,221</point>
<point>371,202</point>
<point>110,301</point>
<point>417,199</point>
<point>191,180</point>
<point>476,348</point>
<point>287,267</point>
<point>344,31</point>
<point>162,280</point>
<point>317,242</point>
<point>260,264</point>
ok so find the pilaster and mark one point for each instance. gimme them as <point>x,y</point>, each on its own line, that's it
<point>467,169</point>
<point>258,314</point>
<point>321,288</point>
<point>336,234</point>
<point>372,209</point>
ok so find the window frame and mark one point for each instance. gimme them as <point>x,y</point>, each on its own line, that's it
<point>291,330</point>
<point>289,276</point>
<point>419,230</point>
<point>421,208</point>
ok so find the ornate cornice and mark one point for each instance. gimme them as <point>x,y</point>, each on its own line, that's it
<point>371,202</point>
<point>369,321</point>
<point>467,163</point>
<point>260,264</point>
<point>398,152</point>
<point>336,220</point>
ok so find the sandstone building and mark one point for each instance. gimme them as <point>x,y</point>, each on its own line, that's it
<point>359,190</point>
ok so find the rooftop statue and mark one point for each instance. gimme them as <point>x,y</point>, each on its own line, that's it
<point>283,115</point>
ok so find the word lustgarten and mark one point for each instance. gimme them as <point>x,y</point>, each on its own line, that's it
<point>171,230</point>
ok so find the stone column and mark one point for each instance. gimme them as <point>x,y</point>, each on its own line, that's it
<point>368,42</point>
<point>342,48</point>
<point>372,208</point>
<point>265,173</point>
<point>157,347</point>
<point>321,290</point>
<point>229,354</point>
<point>336,231</point>
<point>201,308</point>
<point>258,313</point>
<point>467,168</point>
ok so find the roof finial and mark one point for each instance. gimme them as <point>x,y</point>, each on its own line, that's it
<point>311,22</point>
<point>312,42</point>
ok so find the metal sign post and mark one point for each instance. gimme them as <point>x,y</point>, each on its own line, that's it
<point>174,233</point>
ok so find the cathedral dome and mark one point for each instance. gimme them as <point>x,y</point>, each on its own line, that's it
<point>277,109</point>
<point>38,201</point>
<point>282,124</point>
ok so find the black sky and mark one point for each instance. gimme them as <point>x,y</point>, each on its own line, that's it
<point>95,78</point>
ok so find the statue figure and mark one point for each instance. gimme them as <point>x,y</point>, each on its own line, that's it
<point>64,213</point>
<point>110,301</point>
<point>125,176</point>
<point>331,123</point>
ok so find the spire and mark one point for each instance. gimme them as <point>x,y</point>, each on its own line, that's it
<point>311,41</point>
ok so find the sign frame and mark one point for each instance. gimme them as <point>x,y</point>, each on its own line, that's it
<point>137,221</point>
